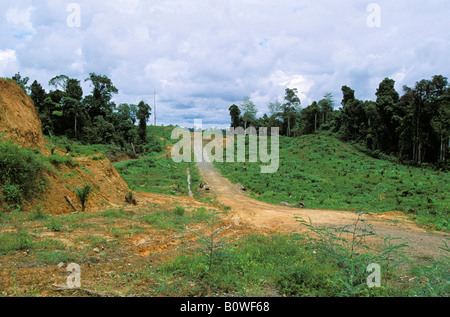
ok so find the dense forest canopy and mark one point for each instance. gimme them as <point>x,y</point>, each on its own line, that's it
<point>412,128</point>
<point>93,118</point>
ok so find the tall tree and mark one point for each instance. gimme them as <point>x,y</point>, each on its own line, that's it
<point>292,100</point>
<point>388,116</point>
<point>348,95</point>
<point>291,108</point>
<point>354,120</point>
<point>423,126</point>
<point>275,107</point>
<point>59,82</point>
<point>124,122</point>
<point>441,125</point>
<point>310,119</point>
<point>99,102</point>
<point>38,95</point>
<point>235,113</point>
<point>72,101</point>
<point>21,81</point>
<point>143,114</point>
<point>326,106</point>
<point>248,110</point>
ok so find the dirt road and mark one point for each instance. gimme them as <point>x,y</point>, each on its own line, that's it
<point>260,215</point>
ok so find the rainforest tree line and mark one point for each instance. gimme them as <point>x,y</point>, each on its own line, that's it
<point>93,118</point>
<point>412,128</point>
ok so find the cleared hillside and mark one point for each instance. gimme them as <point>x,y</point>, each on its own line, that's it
<point>325,173</point>
<point>37,176</point>
<point>19,120</point>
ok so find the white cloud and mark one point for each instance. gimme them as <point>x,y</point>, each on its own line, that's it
<point>19,16</point>
<point>8,62</point>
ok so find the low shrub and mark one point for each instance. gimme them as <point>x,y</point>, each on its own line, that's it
<point>21,170</point>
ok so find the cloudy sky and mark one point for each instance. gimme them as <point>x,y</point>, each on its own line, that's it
<point>201,56</point>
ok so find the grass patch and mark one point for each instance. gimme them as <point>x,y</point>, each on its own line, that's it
<point>55,257</point>
<point>155,174</point>
<point>15,241</point>
<point>301,266</point>
<point>58,160</point>
<point>326,173</point>
<point>177,219</point>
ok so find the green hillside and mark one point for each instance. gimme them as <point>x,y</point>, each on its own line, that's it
<point>326,173</point>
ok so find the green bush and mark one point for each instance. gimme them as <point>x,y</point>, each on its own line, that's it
<point>20,172</point>
<point>180,211</point>
<point>54,224</point>
<point>58,160</point>
<point>12,194</point>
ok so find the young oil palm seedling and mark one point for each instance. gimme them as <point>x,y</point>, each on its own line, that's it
<point>83,194</point>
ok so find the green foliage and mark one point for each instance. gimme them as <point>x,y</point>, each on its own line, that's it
<point>143,114</point>
<point>326,173</point>
<point>235,112</point>
<point>283,266</point>
<point>412,127</point>
<point>54,224</point>
<point>212,245</point>
<point>21,170</point>
<point>15,241</point>
<point>83,194</point>
<point>348,249</point>
<point>117,214</point>
<point>180,211</point>
<point>55,257</point>
<point>12,195</point>
<point>304,278</point>
<point>38,213</point>
<point>155,174</point>
<point>175,220</point>
<point>58,160</point>
<point>21,81</point>
<point>433,280</point>
<point>92,118</point>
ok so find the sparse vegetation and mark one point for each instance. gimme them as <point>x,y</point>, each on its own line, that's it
<point>317,263</point>
<point>326,173</point>
<point>212,244</point>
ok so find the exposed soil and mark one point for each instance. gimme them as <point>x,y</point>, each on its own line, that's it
<point>116,255</point>
<point>19,120</point>
<point>261,215</point>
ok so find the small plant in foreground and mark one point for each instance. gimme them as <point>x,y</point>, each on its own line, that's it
<point>212,245</point>
<point>434,279</point>
<point>348,248</point>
